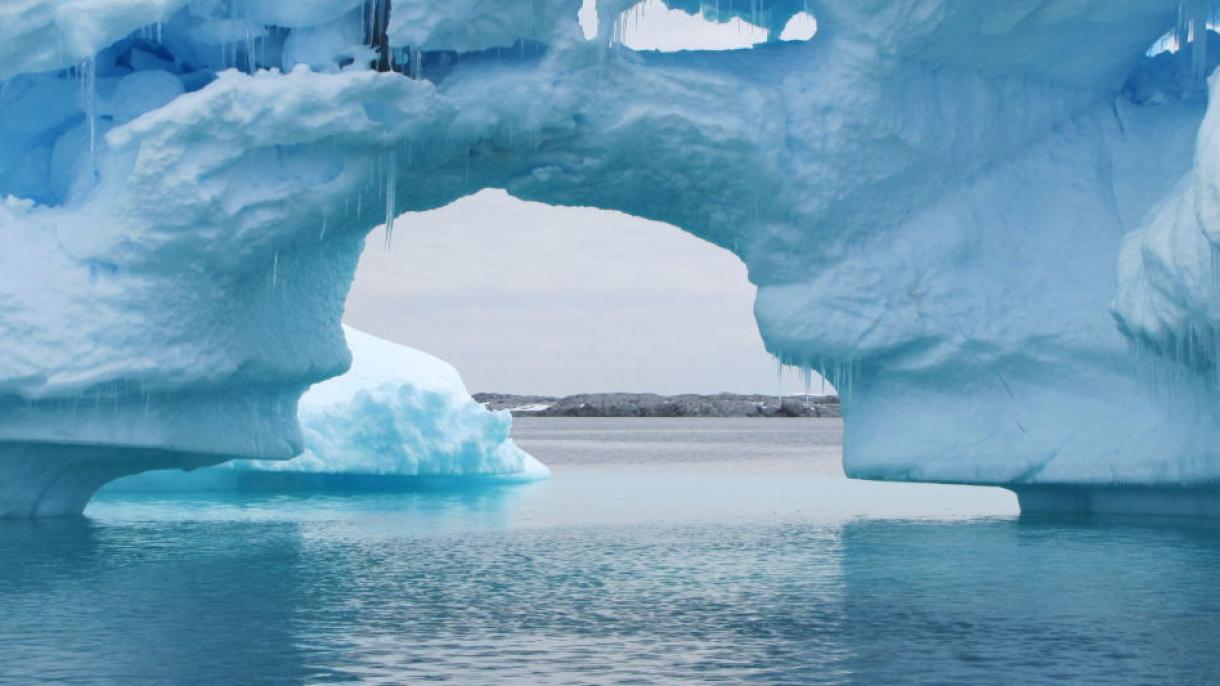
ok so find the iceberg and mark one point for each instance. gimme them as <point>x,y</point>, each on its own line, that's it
<point>398,417</point>
<point>991,227</point>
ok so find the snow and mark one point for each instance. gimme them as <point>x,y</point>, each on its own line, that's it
<point>531,407</point>
<point>403,412</point>
<point>991,227</point>
<point>398,412</point>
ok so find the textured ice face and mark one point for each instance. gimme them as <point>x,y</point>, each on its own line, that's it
<point>399,411</point>
<point>930,196</point>
<point>1168,298</point>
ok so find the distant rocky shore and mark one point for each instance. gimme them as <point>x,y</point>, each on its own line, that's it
<point>652,405</point>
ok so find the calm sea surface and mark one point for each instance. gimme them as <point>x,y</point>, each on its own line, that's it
<point>666,551</point>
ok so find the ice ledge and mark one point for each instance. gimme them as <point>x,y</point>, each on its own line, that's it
<point>52,480</point>
<point>1202,500</point>
<point>258,422</point>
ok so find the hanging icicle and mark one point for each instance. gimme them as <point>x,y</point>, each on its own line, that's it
<point>391,182</point>
<point>88,76</point>
<point>376,32</point>
<point>416,68</point>
<point>1198,30</point>
<point>1191,31</point>
<point>779,381</point>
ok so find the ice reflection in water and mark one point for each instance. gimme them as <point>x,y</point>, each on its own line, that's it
<point>740,558</point>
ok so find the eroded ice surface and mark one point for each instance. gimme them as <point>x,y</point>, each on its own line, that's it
<point>991,227</point>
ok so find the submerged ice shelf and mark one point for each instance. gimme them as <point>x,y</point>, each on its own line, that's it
<point>396,413</point>
<point>991,227</point>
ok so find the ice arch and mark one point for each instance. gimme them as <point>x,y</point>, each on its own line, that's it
<point>930,196</point>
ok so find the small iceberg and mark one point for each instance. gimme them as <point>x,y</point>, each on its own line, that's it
<point>399,418</point>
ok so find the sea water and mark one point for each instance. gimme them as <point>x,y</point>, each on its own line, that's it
<point>663,551</point>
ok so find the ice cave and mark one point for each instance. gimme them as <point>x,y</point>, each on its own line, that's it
<point>993,226</point>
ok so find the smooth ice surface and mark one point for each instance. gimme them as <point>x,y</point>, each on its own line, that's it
<point>990,227</point>
<point>397,412</point>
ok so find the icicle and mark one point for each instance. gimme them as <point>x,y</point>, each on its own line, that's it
<point>779,381</point>
<point>322,235</point>
<point>1198,29</point>
<point>370,22</point>
<point>275,269</point>
<point>1181,32</point>
<point>619,31</point>
<point>1193,17</point>
<point>391,182</point>
<point>417,62</point>
<point>251,64</point>
<point>88,71</point>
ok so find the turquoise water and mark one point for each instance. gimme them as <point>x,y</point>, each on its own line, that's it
<point>663,552</point>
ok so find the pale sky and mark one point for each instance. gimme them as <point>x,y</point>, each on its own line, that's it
<point>527,298</point>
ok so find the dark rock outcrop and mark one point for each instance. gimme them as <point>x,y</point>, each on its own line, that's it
<point>653,405</point>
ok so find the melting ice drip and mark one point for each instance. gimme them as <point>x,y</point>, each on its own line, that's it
<point>1196,20</point>
<point>1194,23</point>
<point>391,186</point>
<point>88,79</point>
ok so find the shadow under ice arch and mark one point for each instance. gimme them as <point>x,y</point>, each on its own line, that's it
<point>930,197</point>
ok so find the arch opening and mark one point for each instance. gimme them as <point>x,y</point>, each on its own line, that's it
<point>533,299</point>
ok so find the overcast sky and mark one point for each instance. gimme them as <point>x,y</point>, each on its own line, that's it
<point>526,298</point>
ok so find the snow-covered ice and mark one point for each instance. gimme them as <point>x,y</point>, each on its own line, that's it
<point>398,412</point>
<point>991,226</point>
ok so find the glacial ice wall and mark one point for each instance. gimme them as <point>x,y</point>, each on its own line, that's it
<point>398,412</point>
<point>988,225</point>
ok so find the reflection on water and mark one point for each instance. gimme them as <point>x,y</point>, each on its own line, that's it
<point>158,603</point>
<point>1081,601</point>
<point>743,565</point>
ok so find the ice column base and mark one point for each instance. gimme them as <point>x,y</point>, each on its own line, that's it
<point>1185,501</point>
<point>50,480</point>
